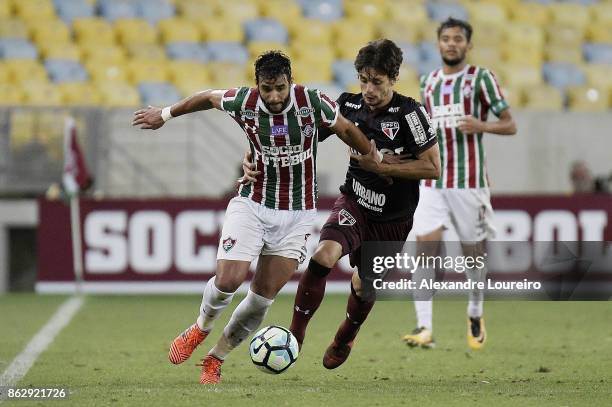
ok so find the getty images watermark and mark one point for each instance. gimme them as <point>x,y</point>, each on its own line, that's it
<point>406,263</point>
<point>403,262</point>
<point>519,270</point>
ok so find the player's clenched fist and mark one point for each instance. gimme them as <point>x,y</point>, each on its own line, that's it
<point>149,118</point>
<point>471,125</point>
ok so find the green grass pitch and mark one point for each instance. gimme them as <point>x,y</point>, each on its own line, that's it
<point>114,352</point>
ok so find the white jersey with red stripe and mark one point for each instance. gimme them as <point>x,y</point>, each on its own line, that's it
<point>472,91</point>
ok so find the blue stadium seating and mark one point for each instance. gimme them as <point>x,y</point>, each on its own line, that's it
<point>326,10</point>
<point>429,52</point>
<point>61,70</point>
<point>158,93</point>
<point>68,10</point>
<point>17,48</point>
<point>154,10</point>
<point>115,9</point>
<point>411,53</point>
<point>266,29</point>
<point>187,50</point>
<point>583,2</point>
<point>344,72</point>
<point>224,51</point>
<point>598,53</point>
<point>562,75</point>
<point>440,11</point>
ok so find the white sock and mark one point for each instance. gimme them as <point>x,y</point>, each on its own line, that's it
<point>476,296</point>
<point>423,298</point>
<point>222,348</point>
<point>424,313</point>
<point>247,316</point>
<point>214,302</point>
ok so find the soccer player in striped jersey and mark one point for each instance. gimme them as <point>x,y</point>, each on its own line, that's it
<point>459,97</point>
<point>377,200</point>
<point>271,218</point>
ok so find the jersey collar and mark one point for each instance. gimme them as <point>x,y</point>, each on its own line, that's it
<point>454,75</point>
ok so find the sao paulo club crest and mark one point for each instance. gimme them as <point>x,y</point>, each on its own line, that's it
<point>345,218</point>
<point>390,129</point>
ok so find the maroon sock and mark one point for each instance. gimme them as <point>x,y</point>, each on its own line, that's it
<point>309,296</point>
<point>357,311</point>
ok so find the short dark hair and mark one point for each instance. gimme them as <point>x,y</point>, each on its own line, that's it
<point>272,64</point>
<point>382,55</point>
<point>455,22</point>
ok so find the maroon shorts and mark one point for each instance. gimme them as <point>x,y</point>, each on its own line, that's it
<point>349,226</point>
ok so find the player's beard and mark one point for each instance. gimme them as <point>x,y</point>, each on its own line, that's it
<point>455,61</point>
<point>273,111</point>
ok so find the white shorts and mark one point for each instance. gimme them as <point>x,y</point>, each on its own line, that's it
<point>468,211</point>
<point>251,229</point>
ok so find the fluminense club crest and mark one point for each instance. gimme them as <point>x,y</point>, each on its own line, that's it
<point>307,130</point>
<point>228,243</point>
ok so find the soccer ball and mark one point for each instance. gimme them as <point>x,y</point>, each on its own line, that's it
<point>273,349</point>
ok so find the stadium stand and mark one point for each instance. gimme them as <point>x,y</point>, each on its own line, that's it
<point>556,47</point>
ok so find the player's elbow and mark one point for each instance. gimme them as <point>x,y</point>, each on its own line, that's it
<point>512,128</point>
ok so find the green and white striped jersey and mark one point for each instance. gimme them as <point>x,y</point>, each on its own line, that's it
<point>447,98</point>
<point>284,145</point>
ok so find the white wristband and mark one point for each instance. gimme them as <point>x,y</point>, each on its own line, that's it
<point>165,113</point>
<point>380,156</point>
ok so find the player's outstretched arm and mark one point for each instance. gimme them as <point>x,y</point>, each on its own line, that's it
<point>153,117</point>
<point>505,126</point>
<point>352,136</point>
<point>426,166</point>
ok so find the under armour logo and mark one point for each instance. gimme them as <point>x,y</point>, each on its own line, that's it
<point>303,311</point>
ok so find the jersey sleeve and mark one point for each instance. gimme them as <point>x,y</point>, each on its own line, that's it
<point>492,96</point>
<point>422,84</point>
<point>230,101</point>
<point>329,111</point>
<point>423,134</point>
<point>325,132</point>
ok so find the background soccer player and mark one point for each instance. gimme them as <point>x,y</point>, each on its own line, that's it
<point>271,218</point>
<point>458,98</point>
<point>378,199</point>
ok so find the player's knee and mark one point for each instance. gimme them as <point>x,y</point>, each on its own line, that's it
<point>227,285</point>
<point>326,256</point>
<point>356,285</point>
<point>228,280</point>
<point>359,291</point>
<point>318,269</point>
<point>429,244</point>
<point>433,236</point>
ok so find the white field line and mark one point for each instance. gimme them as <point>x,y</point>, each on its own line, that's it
<point>40,342</point>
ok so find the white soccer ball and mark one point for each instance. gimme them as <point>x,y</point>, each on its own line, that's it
<point>273,349</point>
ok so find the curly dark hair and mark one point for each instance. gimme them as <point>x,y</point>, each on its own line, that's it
<point>455,22</point>
<point>272,64</point>
<point>381,55</point>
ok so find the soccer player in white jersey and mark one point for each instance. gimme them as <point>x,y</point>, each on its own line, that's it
<point>458,97</point>
<point>271,218</point>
